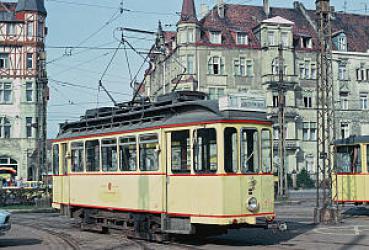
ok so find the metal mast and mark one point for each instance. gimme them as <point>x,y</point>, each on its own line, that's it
<point>324,211</point>
<point>282,173</point>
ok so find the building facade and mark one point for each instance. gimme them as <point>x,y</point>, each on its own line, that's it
<point>23,87</point>
<point>234,49</point>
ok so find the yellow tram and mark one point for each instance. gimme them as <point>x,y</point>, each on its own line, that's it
<point>180,165</point>
<point>351,183</point>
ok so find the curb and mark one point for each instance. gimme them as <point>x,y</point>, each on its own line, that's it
<point>281,203</point>
<point>30,211</point>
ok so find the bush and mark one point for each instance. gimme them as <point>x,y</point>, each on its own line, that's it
<point>304,180</point>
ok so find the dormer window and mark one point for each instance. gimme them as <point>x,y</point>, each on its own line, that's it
<point>342,43</point>
<point>306,42</point>
<point>242,38</point>
<point>215,37</point>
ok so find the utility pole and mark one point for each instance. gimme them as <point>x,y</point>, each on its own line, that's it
<point>324,211</point>
<point>282,173</point>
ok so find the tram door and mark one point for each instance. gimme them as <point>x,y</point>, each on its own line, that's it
<point>65,189</point>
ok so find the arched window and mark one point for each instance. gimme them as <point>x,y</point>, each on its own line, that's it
<point>5,127</point>
<point>216,66</point>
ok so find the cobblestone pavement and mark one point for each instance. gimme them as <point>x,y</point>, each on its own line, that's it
<point>51,231</point>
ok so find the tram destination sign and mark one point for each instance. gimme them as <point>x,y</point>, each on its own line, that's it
<point>243,102</point>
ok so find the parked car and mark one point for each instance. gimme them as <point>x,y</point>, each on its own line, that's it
<point>5,223</point>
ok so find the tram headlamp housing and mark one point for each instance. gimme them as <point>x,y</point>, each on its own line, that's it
<point>252,204</point>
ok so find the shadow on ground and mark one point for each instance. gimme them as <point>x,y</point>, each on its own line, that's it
<point>19,242</point>
<point>354,212</point>
<point>251,237</point>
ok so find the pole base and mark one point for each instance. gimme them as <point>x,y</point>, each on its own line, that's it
<point>326,215</point>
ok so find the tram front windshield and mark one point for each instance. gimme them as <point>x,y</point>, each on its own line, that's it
<point>348,159</point>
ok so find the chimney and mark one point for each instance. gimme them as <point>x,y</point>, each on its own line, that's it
<point>266,6</point>
<point>221,10</point>
<point>204,9</point>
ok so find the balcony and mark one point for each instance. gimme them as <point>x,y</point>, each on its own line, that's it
<point>273,80</point>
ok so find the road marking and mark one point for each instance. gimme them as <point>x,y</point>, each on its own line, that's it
<point>343,231</point>
<point>356,229</point>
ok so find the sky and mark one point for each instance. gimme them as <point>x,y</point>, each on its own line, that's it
<point>79,29</point>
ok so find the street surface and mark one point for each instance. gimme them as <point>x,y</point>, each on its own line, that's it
<point>51,231</point>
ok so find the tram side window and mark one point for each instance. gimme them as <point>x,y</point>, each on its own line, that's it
<point>230,150</point>
<point>180,152</point>
<point>93,156</point>
<point>205,150</point>
<point>249,151</point>
<point>348,159</point>
<point>266,151</point>
<point>77,152</point>
<point>128,154</point>
<point>149,153</point>
<point>56,159</point>
<point>109,155</point>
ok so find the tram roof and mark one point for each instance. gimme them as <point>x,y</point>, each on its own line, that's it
<point>353,140</point>
<point>183,107</point>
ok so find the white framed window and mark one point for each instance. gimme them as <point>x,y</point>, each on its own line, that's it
<point>342,43</point>
<point>216,93</point>
<point>285,39</point>
<point>362,74</point>
<point>188,62</point>
<point>216,66</point>
<point>29,127</point>
<point>29,61</point>
<point>313,72</point>
<point>30,29</point>
<point>308,102</point>
<point>271,38</point>
<point>4,61</point>
<point>342,72</point>
<point>249,68</point>
<point>364,101</point>
<point>6,92</point>
<point>11,29</point>
<point>5,128</point>
<point>344,100</point>
<point>309,131</point>
<point>275,67</point>
<point>242,38</point>
<point>29,91</point>
<point>306,42</point>
<point>215,37</point>
<point>275,100</point>
<point>345,130</point>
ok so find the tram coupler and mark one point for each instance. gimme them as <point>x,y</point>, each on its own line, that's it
<point>281,226</point>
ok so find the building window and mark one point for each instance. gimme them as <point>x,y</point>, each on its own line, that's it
<point>205,151</point>
<point>5,128</point>
<point>29,61</point>
<point>285,39</point>
<point>242,38</point>
<point>5,92</point>
<point>40,28</point>
<point>109,155</point>
<point>342,72</point>
<point>275,67</point>
<point>29,91</point>
<point>215,37</point>
<point>190,36</point>
<point>29,127</point>
<point>4,61</point>
<point>364,101</point>
<point>362,74</point>
<point>309,131</point>
<point>308,102</point>
<point>216,66</point>
<point>11,29</point>
<point>344,100</point>
<point>313,72</point>
<point>345,130</point>
<point>189,62</point>
<point>271,39</point>
<point>181,152</point>
<point>216,93</point>
<point>275,100</point>
<point>342,43</point>
<point>306,42</point>
<point>149,153</point>
<point>30,29</point>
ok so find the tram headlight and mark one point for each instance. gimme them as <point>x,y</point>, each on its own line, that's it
<point>252,204</point>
